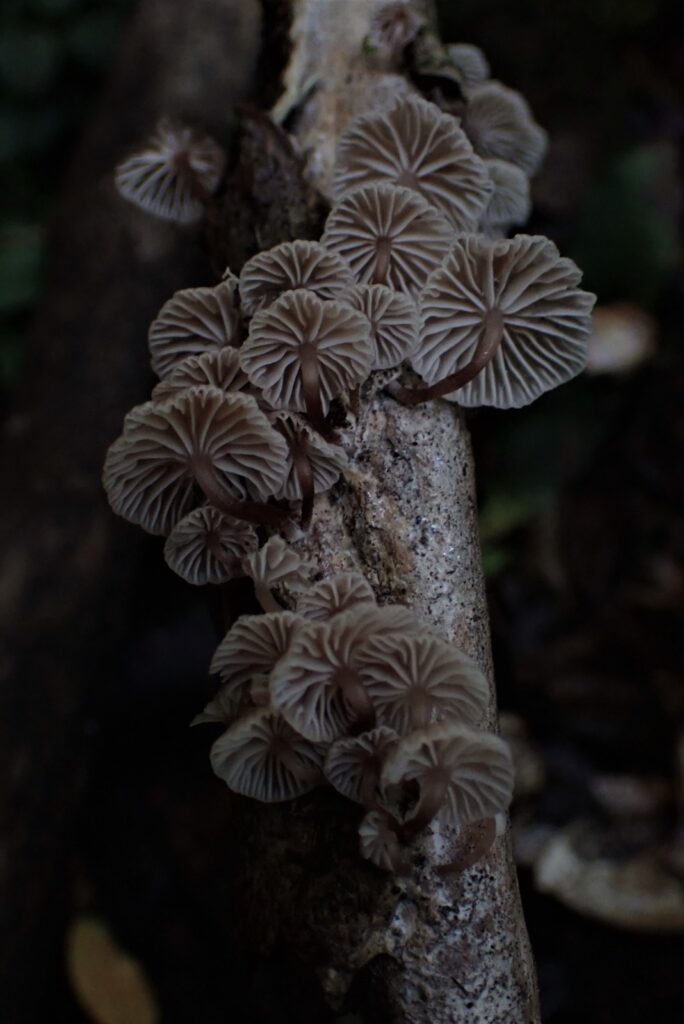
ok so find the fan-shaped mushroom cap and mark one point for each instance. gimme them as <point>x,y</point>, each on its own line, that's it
<point>249,651</point>
<point>510,201</point>
<point>388,235</point>
<point>152,472</point>
<point>289,267</point>
<point>394,322</point>
<point>413,680</point>
<point>522,286</point>
<point>392,27</point>
<point>354,763</point>
<point>276,562</point>
<point>220,369</point>
<point>378,841</point>
<point>500,125</point>
<point>326,461</point>
<point>310,686</point>
<point>262,757</point>
<point>337,594</point>
<point>193,321</point>
<point>417,146</point>
<point>471,771</point>
<point>299,327</point>
<point>206,546</point>
<point>470,62</point>
<point>174,174</point>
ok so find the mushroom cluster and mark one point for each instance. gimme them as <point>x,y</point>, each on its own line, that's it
<point>343,692</point>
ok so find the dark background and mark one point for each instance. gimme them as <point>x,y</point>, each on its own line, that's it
<point>581,523</point>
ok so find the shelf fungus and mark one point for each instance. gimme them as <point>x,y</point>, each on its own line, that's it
<point>275,563</point>
<point>353,765</point>
<point>219,369</point>
<point>175,175</point>
<point>336,594</point>
<point>463,775</point>
<point>313,464</point>
<point>501,323</point>
<point>193,321</point>
<point>262,757</point>
<point>500,125</point>
<point>303,351</point>
<point>289,267</point>
<point>416,146</point>
<point>388,235</point>
<point>202,443</point>
<point>393,318</point>
<point>207,546</point>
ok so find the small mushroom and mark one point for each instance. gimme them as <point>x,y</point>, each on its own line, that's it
<point>302,352</point>
<point>463,775</point>
<point>500,125</point>
<point>276,562</point>
<point>353,764</point>
<point>379,842</point>
<point>337,594</point>
<point>412,680</point>
<point>206,546</point>
<point>510,201</point>
<point>193,321</point>
<point>289,267</point>
<point>394,322</point>
<point>262,757</point>
<point>313,465</point>
<point>392,27</point>
<point>417,146</point>
<point>470,62</point>
<point>200,442</point>
<point>175,175</point>
<point>388,235</point>
<point>220,369</point>
<point>502,322</point>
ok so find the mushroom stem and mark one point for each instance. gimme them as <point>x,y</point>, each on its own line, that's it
<point>266,599</point>
<point>432,794</point>
<point>302,466</point>
<point>490,339</point>
<point>195,185</point>
<point>356,697</point>
<point>311,383</point>
<point>251,511</point>
<point>382,260</point>
<point>286,754</point>
<point>472,844</point>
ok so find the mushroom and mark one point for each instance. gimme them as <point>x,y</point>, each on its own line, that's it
<point>193,321</point>
<point>313,465</point>
<point>500,125</point>
<point>388,235</point>
<point>289,267</point>
<point>337,594</point>
<point>175,175</point>
<point>248,652</point>
<point>206,546</point>
<point>463,775</point>
<point>353,764</point>
<point>414,679</point>
<point>417,146</point>
<point>379,842</point>
<point>274,563</point>
<point>392,27</point>
<point>220,369</point>
<point>262,757</point>
<point>318,686</point>
<point>470,62</point>
<point>510,202</point>
<point>201,440</point>
<point>302,352</point>
<point>502,322</point>
<point>394,322</point>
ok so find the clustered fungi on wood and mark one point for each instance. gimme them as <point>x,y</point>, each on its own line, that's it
<point>413,268</point>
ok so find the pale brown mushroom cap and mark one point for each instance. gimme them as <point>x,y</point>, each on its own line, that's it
<point>413,680</point>
<point>173,174</point>
<point>470,62</point>
<point>388,235</point>
<point>250,650</point>
<point>260,756</point>
<point>475,767</point>
<point>193,321</point>
<point>378,841</point>
<point>150,472</point>
<point>510,202</point>
<point>351,759</point>
<point>337,594</point>
<point>546,319</point>
<point>394,322</point>
<point>326,460</point>
<point>220,369</point>
<point>417,146</point>
<point>500,125</point>
<point>272,355</point>
<point>276,562</point>
<point>289,267</point>
<point>206,546</point>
